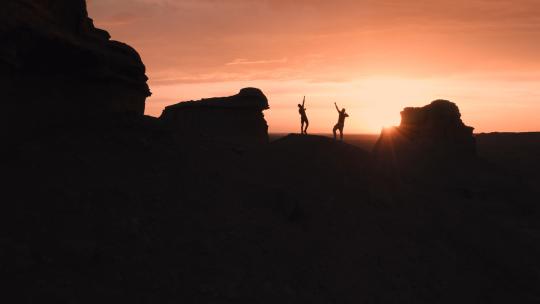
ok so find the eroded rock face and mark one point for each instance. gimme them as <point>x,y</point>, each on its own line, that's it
<point>435,131</point>
<point>237,119</point>
<point>57,69</point>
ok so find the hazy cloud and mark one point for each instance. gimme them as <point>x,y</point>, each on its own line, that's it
<point>240,61</point>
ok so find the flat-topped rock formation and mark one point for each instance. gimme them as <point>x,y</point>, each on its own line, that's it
<point>237,119</point>
<point>434,132</point>
<point>57,69</point>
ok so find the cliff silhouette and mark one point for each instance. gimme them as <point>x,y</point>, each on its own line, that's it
<point>197,206</point>
<point>236,119</point>
<point>433,131</point>
<point>58,70</point>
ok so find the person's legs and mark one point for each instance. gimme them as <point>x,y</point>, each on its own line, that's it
<point>334,131</point>
<point>302,127</point>
<point>341,133</point>
<point>306,126</point>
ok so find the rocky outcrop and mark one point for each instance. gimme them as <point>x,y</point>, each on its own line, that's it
<point>237,119</point>
<point>432,132</point>
<point>57,69</point>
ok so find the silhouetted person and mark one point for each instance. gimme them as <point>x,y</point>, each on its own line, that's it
<point>304,123</point>
<point>341,122</point>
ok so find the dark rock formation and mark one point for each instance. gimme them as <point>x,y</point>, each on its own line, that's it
<point>57,69</point>
<point>433,132</point>
<point>237,119</point>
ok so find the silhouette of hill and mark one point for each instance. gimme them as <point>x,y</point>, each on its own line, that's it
<point>294,145</point>
<point>308,161</point>
<point>302,219</point>
<point>363,141</point>
<point>118,207</point>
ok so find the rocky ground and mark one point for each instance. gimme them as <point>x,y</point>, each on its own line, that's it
<point>135,216</point>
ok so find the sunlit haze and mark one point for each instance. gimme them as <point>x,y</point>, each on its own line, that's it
<point>372,57</point>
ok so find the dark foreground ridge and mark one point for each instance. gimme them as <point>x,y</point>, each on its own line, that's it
<point>311,159</point>
<point>137,209</point>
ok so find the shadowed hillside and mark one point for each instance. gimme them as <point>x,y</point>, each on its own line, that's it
<point>517,153</point>
<point>302,219</point>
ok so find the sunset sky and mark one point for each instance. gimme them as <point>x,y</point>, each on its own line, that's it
<point>372,57</point>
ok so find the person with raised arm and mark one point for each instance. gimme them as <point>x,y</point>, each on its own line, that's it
<point>304,122</point>
<point>341,122</point>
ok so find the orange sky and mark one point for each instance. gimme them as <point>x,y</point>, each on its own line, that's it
<point>372,57</point>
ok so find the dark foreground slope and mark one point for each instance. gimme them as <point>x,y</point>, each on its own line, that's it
<point>134,216</point>
<point>518,153</point>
